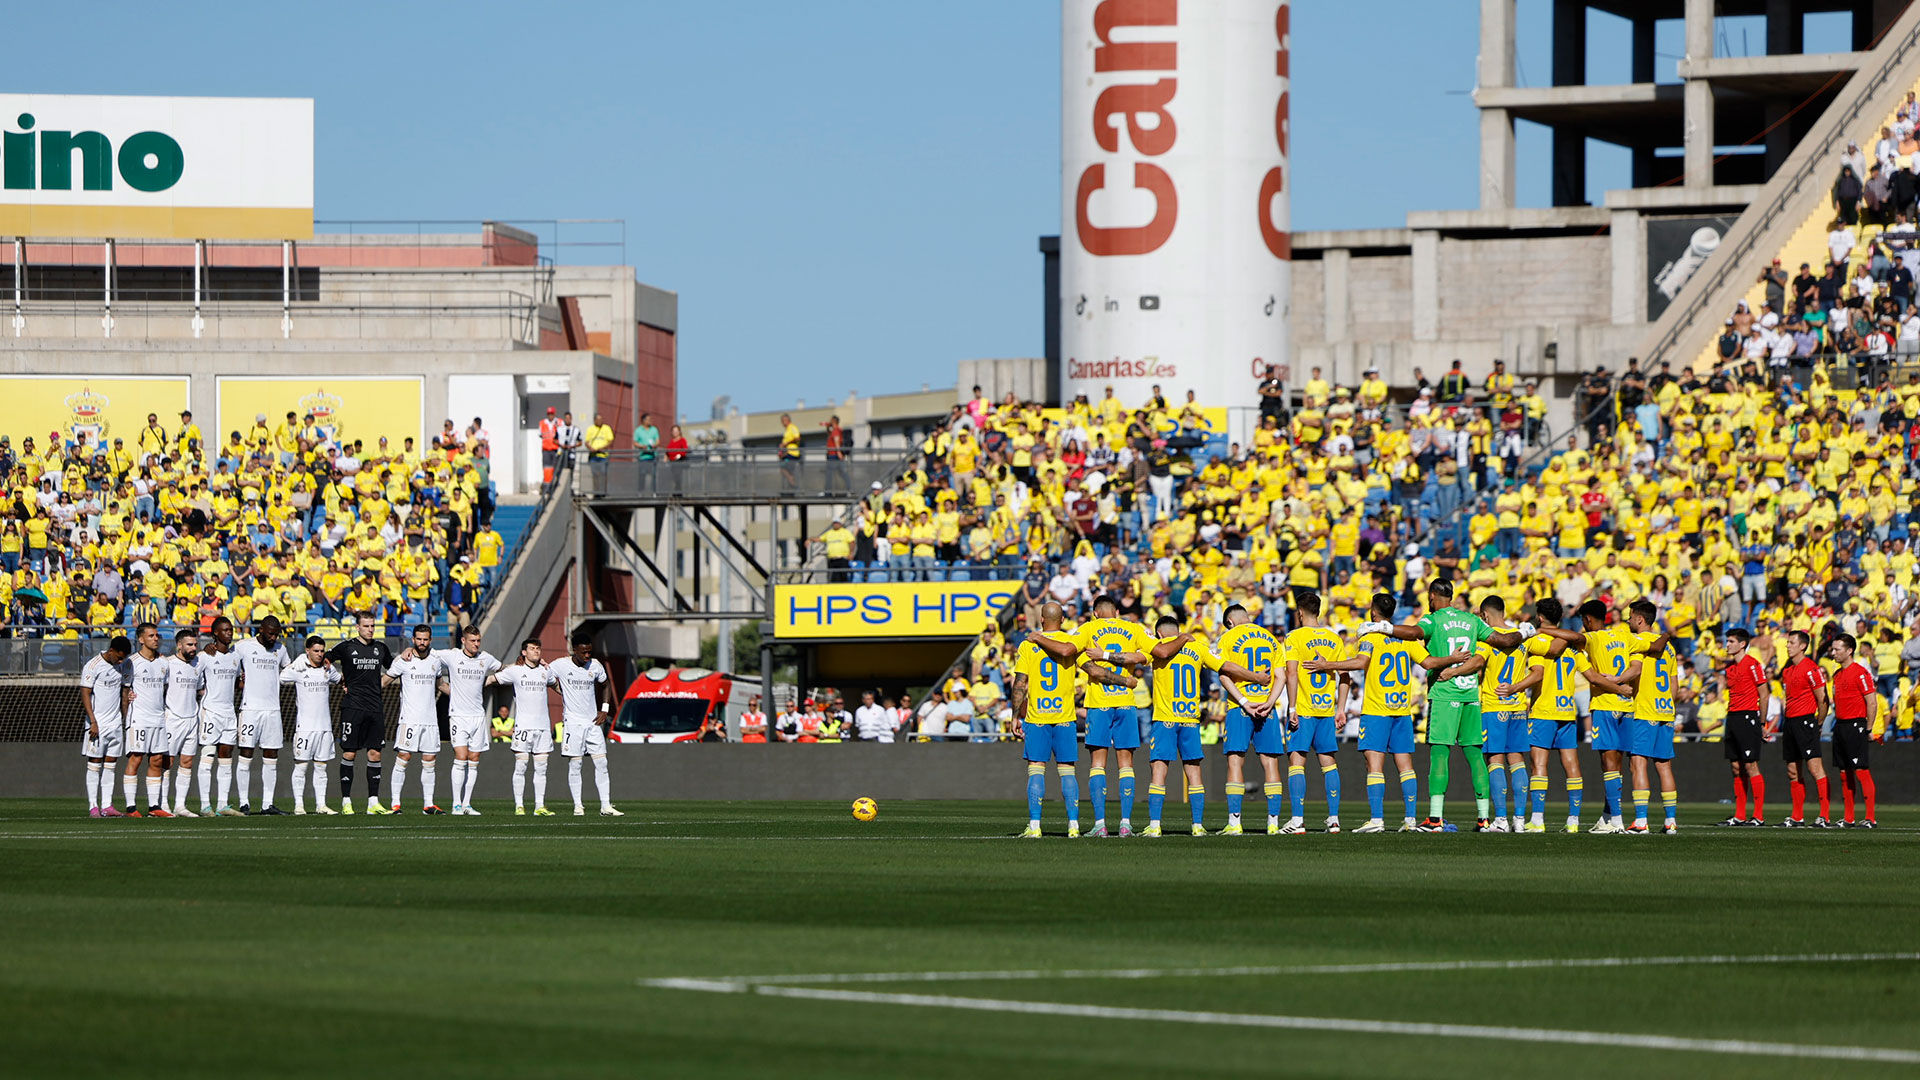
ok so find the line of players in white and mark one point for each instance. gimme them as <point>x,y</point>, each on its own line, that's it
<point>201,704</point>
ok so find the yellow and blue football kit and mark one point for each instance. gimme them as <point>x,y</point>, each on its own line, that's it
<point>1503,717</point>
<point>1316,699</point>
<point>1176,719</point>
<point>1049,720</point>
<point>1257,650</point>
<point>1112,720</point>
<point>1609,651</point>
<point>1652,726</point>
<point>1554,718</point>
<point>1386,711</point>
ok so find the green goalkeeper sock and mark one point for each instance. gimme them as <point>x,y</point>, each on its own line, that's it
<point>1477,768</point>
<point>1437,782</point>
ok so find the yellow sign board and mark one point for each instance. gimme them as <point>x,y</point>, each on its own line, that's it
<point>889,610</point>
<point>345,408</point>
<point>95,409</point>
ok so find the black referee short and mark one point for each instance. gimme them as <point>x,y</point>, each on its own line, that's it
<point>1850,743</point>
<point>1742,739</point>
<point>1799,738</point>
<point>362,729</point>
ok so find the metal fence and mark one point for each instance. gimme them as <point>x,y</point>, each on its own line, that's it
<point>734,472</point>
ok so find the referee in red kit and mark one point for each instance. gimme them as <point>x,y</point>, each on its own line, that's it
<point>1806,687</point>
<point>1746,693</point>
<point>1855,702</point>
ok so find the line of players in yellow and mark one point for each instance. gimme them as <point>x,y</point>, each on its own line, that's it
<point>1503,694</point>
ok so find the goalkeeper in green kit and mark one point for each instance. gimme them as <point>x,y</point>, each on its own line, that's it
<point>1453,696</point>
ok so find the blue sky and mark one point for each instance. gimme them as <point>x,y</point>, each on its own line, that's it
<point>846,194</point>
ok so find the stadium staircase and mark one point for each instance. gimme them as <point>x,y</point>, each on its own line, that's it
<point>511,521</point>
<point>1791,217</point>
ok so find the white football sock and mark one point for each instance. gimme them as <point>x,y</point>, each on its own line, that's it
<point>426,783</point>
<point>93,785</point>
<point>399,779</point>
<point>601,782</point>
<point>319,783</point>
<point>269,780</point>
<point>573,782</point>
<point>156,796</point>
<point>106,784</point>
<point>164,786</point>
<point>539,781</point>
<point>182,786</point>
<point>223,775</point>
<point>243,780</point>
<point>130,786</point>
<point>519,781</point>
<point>299,786</point>
<point>459,783</point>
<point>205,768</point>
<point>473,781</point>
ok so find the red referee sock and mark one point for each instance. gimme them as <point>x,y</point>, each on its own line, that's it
<point>1847,784</point>
<point>1825,802</point>
<point>1759,785</point>
<point>1867,791</point>
<point>1740,797</point>
<point>1799,789</point>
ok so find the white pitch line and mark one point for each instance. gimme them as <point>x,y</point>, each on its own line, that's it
<point>1329,1023</point>
<point>745,982</point>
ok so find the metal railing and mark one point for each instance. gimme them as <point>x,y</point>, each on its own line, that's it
<point>1733,258</point>
<point>736,472</point>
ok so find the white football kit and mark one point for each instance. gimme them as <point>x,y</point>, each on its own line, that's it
<point>221,671</point>
<point>185,680</point>
<point>260,723</point>
<point>147,716</point>
<point>580,731</point>
<point>312,710</point>
<point>419,692</point>
<point>467,697</point>
<point>106,682</point>
<point>532,721</point>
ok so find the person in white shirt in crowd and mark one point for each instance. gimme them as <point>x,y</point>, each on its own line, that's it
<point>262,658</point>
<point>1064,588</point>
<point>103,686</point>
<point>468,673</point>
<point>418,670</point>
<point>932,721</point>
<point>219,725</point>
<point>532,725</point>
<point>313,678</point>
<point>586,712</point>
<point>1840,240</point>
<point>185,681</point>
<point>871,721</point>
<point>147,723</point>
<point>786,726</point>
<point>1852,156</point>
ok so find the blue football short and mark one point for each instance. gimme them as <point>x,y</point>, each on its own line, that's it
<point>1501,731</point>
<point>1315,735</point>
<point>1650,740</point>
<point>1052,742</point>
<point>1386,734</point>
<point>1115,727</point>
<point>1606,730</point>
<point>1267,735</point>
<point>1176,742</point>
<point>1554,734</point>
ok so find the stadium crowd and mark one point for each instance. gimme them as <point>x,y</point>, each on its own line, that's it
<point>292,520</point>
<point>1742,497</point>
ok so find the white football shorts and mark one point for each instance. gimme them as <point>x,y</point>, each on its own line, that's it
<point>316,744</point>
<point>261,730</point>
<point>111,743</point>
<point>218,727</point>
<point>582,737</point>
<point>533,740</point>
<point>470,733</point>
<point>420,738</point>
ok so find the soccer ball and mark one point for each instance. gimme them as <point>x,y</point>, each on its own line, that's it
<point>865,809</point>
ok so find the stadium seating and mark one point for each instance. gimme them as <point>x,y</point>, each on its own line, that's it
<point>1716,499</point>
<point>286,521</point>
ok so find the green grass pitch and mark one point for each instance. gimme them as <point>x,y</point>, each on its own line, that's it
<point>509,947</point>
